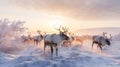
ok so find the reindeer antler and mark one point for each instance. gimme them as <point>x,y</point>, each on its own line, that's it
<point>65,29</point>
<point>62,29</point>
<point>59,29</point>
<point>110,36</point>
<point>104,33</point>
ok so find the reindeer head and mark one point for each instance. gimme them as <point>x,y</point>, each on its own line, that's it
<point>107,39</point>
<point>108,42</point>
<point>63,32</point>
<point>108,36</point>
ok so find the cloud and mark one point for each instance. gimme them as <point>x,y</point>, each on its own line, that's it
<point>77,9</point>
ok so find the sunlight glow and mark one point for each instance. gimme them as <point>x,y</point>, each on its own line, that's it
<point>56,23</point>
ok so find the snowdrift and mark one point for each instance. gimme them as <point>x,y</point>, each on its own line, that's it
<point>75,56</point>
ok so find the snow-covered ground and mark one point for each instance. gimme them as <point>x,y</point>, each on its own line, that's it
<point>75,56</point>
<point>14,53</point>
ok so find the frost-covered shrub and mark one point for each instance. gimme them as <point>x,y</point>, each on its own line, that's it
<point>10,31</point>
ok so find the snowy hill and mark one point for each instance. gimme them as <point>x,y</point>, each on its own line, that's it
<point>92,31</point>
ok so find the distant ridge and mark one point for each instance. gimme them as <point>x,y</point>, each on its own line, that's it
<point>96,31</point>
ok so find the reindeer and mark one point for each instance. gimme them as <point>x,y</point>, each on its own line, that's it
<point>100,41</point>
<point>68,43</point>
<point>37,39</point>
<point>26,38</point>
<point>54,40</point>
<point>78,39</point>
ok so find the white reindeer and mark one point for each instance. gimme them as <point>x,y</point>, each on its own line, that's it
<point>37,39</point>
<point>101,41</point>
<point>54,40</point>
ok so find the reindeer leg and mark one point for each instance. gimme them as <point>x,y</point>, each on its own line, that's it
<point>51,50</point>
<point>97,46</point>
<point>44,48</point>
<point>37,43</point>
<point>34,42</point>
<point>56,50</point>
<point>92,44</point>
<point>100,46</point>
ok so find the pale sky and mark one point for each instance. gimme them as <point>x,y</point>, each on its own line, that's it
<point>76,14</point>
